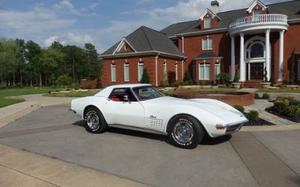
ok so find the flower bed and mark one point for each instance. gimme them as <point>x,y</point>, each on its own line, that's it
<point>253,117</point>
<point>286,107</point>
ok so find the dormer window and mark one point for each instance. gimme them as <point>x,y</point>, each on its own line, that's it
<point>207,23</point>
<point>256,13</point>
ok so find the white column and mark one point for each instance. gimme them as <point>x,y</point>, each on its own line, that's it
<point>280,65</point>
<point>242,59</point>
<point>268,58</point>
<point>232,66</point>
<point>182,44</point>
<point>182,69</point>
<point>156,73</point>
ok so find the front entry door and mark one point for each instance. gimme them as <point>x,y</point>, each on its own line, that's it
<point>256,71</point>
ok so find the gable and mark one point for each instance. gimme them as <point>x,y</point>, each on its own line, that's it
<point>256,5</point>
<point>210,13</point>
<point>124,47</point>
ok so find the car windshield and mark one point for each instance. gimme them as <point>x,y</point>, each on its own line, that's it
<point>147,92</point>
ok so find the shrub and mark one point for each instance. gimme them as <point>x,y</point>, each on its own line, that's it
<point>187,78</point>
<point>223,78</point>
<point>265,96</point>
<point>239,108</point>
<point>252,115</point>
<point>176,83</point>
<point>145,77</point>
<point>292,101</point>
<point>236,78</point>
<point>64,80</point>
<point>87,86</point>
<point>256,95</point>
<point>293,111</point>
<point>281,105</point>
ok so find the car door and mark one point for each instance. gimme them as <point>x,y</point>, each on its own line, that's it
<point>124,109</point>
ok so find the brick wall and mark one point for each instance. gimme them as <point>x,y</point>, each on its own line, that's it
<point>149,65</point>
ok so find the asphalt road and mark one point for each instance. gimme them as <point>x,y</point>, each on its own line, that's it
<point>243,160</point>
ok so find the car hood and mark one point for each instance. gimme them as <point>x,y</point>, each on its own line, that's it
<point>221,110</point>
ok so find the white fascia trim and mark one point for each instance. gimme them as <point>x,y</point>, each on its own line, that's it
<point>121,44</point>
<point>210,31</point>
<point>295,20</point>
<point>254,3</point>
<point>142,53</point>
<point>208,11</point>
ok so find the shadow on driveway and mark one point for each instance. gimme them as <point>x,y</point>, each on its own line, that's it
<point>206,140</point>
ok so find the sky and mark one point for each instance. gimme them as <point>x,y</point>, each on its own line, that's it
<point>101,22</point>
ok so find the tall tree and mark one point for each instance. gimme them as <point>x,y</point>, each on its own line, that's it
<point>93,62</point>
<point>34,69</point>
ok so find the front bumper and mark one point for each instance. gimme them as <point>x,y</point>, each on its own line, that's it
<point>220,130</point>
<point>233,128</point>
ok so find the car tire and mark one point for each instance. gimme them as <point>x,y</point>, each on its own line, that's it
<point>185,131</point>
<point>94,120</point>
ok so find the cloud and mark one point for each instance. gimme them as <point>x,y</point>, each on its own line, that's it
<point>52,39</point>
<point>39,19</point>
<point>67,7</point>
<point>69,38</point>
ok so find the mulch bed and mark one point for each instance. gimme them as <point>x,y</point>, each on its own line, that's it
<point>270,110</point>
<point>259,122</point>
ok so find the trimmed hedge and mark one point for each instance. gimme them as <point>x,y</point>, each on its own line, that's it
<point>287,106</point>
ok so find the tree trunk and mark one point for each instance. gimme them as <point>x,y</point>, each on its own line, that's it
<point>73,71</point>
<point>41,83</point>
<point>14,79</point>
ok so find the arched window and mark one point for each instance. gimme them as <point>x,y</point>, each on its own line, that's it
<point>257,50</point>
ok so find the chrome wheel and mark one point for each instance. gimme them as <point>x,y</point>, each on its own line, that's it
<point>183,132</point>
<point>92,120</point>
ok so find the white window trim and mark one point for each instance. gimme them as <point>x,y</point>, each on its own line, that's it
<point>204,65</point>
<point>217,64</point>
<point>140,76</point>
<point>113,72</point>
<point>205,44</point>
<point>165,68</point>
<point>126,65</point>
<point>210,22</point>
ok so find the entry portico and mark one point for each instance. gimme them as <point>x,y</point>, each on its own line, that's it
<point>255,52</point>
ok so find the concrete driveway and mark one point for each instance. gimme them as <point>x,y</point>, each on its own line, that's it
<point>246,159</point>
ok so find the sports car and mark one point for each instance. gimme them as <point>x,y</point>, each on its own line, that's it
<point>143,107</point>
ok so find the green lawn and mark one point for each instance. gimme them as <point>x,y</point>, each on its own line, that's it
<point>26,91</point>
<point>6,102</point>
<point>281,90</point>
<point>79,94</point>
<point>7,92</point>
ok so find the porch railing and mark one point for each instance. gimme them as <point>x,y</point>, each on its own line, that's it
<point>259,19</point>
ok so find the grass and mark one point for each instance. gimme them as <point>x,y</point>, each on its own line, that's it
<point>281,90</point>
<point>78,94</point>
<point>6,102</point>
<point>26,91</point>
<point>8,92</point>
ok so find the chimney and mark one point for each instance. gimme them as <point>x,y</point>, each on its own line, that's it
<point>215,7</point>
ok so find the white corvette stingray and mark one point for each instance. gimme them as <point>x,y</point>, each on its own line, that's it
<point>144,108</point>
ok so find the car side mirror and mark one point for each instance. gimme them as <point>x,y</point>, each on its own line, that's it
<point>126,98</point>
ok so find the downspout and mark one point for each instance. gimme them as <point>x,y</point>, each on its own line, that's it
<point>182,44</point>
<point>156,75</point>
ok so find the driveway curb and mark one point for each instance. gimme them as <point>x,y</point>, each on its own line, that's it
<point>270,128</point>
